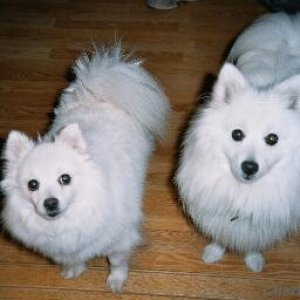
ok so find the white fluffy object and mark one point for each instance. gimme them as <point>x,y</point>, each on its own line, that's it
<point>248,209</point>
<point>92,162</point>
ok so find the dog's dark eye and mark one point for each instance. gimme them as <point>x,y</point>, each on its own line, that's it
<point>271,139</point>
<point>237,135</point>
<point>33,185</point>
<point>64,179</point>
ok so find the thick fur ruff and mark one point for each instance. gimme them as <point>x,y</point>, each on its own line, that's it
<point>259,96</point>
<point>102,136</point>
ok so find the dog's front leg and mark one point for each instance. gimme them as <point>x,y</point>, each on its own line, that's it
<point>119,264</point>
<point>72,270</point>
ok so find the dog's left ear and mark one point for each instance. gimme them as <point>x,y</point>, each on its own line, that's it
<point>290,91</point>
<point>71,136</point>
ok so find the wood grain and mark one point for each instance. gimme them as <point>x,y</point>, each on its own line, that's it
<point>184,49</point>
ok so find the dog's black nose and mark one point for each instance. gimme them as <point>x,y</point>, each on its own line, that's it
<point>51,204</point>
<point>250,167</point>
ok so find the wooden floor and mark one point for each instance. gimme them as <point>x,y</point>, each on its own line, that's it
<point>184,48</point>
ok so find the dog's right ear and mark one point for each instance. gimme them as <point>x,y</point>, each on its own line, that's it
<point>17,146</point>
<point>290,91</point>
<point>71,136</point>
<point>230,82</point>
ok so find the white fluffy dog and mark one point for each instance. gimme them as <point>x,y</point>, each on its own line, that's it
<point>77,192</point>
<point>239,174</point>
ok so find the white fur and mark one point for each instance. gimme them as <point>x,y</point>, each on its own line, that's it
<point>267,52</point>
<point>243,214</point>
<point>102,136</point>
<point>213,253</point>
<point>255,261</point>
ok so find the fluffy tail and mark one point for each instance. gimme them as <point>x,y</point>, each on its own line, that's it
<point>110,76</point>
<point>267,52</point>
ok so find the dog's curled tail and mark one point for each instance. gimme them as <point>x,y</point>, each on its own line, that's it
<point>110,76</point>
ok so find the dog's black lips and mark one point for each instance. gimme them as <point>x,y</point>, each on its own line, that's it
<point>248,177</point>
<point>53,214</point>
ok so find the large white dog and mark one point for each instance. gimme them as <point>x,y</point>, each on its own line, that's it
<point>239,174</point>
<point>77,192</point>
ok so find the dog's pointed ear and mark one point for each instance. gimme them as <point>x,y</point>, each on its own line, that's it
<point>71,136</point>
<point>290,91</point>
<point>230,81</point>
<point>17,146</point>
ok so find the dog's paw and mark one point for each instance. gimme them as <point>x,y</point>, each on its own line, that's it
<point>73,271</point>
<point>255,261</point>
<point>213,253</point>
<point>116,281</point>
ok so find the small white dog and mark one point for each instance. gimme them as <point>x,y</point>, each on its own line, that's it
<point>77,193</point>
<point>239,174</point>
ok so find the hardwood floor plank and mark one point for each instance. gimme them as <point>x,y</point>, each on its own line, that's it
<point>56,294</point>
<point>146,283</point>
